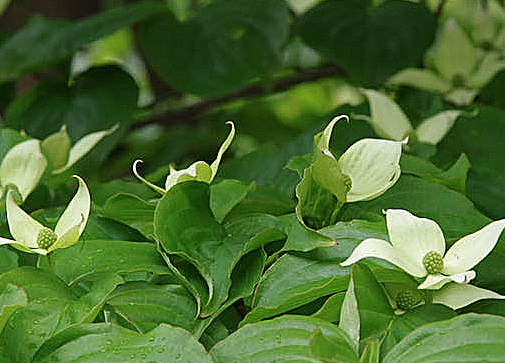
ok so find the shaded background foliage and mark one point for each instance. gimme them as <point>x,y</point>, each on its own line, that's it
<point>172,73</point>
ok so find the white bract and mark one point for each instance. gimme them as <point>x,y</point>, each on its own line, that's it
<point>372,165</point>
<point>31,236</point>
<point>199,170</point>
<point>62,155</point>
<point>418,247</point>
<point>458,68</point>
<point>22,167</point>
<point>389,121</point>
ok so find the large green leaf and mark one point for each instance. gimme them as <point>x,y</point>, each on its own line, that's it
<point>44,42</point>
<point>466,338</point>
<point>81,259</point>
<point>229,42</point>
<point>285,339</point>
<point>293,281</point>
<point>145,305</point>
<point>8,259</point>
<point>132,211</point>
<point>109,343</point>
<point>370,44</point>
<point>185,226</point>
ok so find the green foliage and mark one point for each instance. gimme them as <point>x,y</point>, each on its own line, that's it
<point>244,265</point>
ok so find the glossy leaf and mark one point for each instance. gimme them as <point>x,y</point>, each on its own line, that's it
<point>284,339</point>
<point>478,336</point>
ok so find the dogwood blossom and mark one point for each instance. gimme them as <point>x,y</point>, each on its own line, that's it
<point>417,245</point>
<point>31,236</point>
<point>199,170</point>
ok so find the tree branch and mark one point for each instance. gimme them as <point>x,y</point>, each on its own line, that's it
<point>163,113</point>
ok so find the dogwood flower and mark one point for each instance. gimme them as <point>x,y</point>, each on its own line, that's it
<point>389,121</point>
<point>31,236</point>
<point>21,168</point>
<point>458,68</point>
<point>60,152</point>
<point>369,166</point>
<point>457,296</point>
<point>418,247</point>
<point>199,170</point>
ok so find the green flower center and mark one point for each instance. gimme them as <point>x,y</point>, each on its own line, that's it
<point>347,182</point>
<point>433,262</point>
<point>407,299</point>
<point>45,238</point>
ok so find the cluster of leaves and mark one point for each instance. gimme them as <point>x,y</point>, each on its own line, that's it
<point>242,263</point>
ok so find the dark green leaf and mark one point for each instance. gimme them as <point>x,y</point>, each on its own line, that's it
<point>43,42</point>
<point>230,42</point>
<point>370,44</point>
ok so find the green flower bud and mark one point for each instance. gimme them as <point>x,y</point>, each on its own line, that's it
<point>433,262</point>
<point>406,300</point>
<point>45,238</point>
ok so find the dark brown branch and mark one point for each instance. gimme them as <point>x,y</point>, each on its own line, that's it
<point>438,11</point>
<point>153,115</point>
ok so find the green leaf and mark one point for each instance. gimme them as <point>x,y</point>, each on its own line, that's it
<point>454,177</point>
<point>402,325</point>
<point>468,337</point>
<point>185,226</point>
<point>109,343</point>
<point>293,281</point>
<point>232,42</point>
<point>301,238</point>
<point>44,42</point>
<point>227,194</point>
<point>382,40</point>
<point>327,349</point>
<point>480,136</point>
<point>96,99</point>
<point>73,263</point>
<point>287,338</point>
<point>132,211</point>
<point>349,314</point>
<point>86,308</point>
<point>11,299</point>
<point>8,259</point>
<point>36,283</point>
<point>145,306</point>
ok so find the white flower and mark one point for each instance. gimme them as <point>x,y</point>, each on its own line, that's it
<point>62,155</point>
<point>389,121</point>
<point>199,170</point>
<point>458,69</point>
<point>418,247</point>
<point>22,167</point>
<point>31,236</point>
<point>371,165</point>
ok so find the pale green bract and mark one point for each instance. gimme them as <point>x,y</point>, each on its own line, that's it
<point>199,170</point>
<point>458,68</point>
<point>373,165</point>
<point>60,152</point>
<point>22,167</point>
<point>412,238</point>
<point>390,122</point>
<point>26,231</point>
